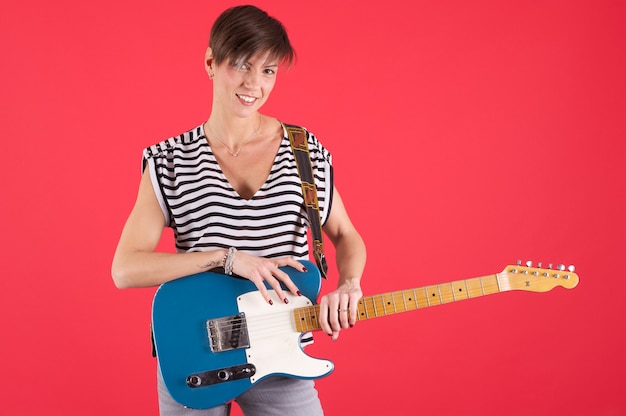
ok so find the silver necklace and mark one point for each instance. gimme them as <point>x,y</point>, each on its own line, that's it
<point>235,154</point>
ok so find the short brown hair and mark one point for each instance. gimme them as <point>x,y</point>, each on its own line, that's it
<point>244,31</point>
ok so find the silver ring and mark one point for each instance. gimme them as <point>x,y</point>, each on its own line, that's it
<point>342,310</point>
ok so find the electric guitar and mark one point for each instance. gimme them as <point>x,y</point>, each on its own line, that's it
<point>215,336</point>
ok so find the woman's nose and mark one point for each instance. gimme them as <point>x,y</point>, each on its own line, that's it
<point>252,79</point>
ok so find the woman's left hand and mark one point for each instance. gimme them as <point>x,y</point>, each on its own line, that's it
<point>338,309</point>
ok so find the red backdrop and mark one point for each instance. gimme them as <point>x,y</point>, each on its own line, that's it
<point>466,135</point>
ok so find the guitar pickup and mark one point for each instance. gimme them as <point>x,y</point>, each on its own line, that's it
<point>228,333</point>
<point>209,378</point>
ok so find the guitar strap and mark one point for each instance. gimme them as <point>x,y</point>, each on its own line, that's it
<point>299,145</point>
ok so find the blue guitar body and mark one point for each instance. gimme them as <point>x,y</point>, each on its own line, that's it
<point>215,336</point>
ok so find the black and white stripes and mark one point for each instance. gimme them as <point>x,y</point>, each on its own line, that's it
<point>206,213</point>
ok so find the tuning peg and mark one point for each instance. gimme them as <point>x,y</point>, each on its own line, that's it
<point>539,265</point>
<point>561,267</point>
<point>571,268</point>
<point>550,266</point>
<point>519,262</point>
<point>529,263</point>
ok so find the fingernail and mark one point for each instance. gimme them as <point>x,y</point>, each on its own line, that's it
<point>286,300</point>
<point>304,269</point>
<point>271,302</point>
<point>298,293</point>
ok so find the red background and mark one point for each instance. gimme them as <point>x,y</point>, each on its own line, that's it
<point>466,135</point>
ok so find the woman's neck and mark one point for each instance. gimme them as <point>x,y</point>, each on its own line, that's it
<point>233,135</point>
<point>233,131</point>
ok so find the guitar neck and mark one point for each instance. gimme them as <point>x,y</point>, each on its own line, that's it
<point>408,300</point>
<point>516,277</point>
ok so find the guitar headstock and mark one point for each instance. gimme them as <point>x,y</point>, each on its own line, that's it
<point>537,279</point>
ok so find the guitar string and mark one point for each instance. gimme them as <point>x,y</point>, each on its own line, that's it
<point>271,324</point>
<point>372,306</point>
<point>377,305</point>
<point>397,301</point>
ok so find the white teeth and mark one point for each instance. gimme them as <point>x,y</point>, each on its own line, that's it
<point>246,98</point>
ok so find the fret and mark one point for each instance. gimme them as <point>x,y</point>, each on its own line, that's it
<point>382,300</point>
<point>371,307</point>
<point>459,290</point>
<point>433,297</point>
<point>409,300</point>
<point>297,315</point>
<point>368,309</point>
<point>383,304</point>
<point>374,303</point>
<point>397,305</point>
<point>474,287</point>
<point>312,314</point>
<point>302,314</point>
<point>481,286</point>
<point>306,324</point>
<point>446,293</point>
<point>415,299</point>
<point>302,323</point>
<point>422,296</point>
<point>363,314</point>
<point>389,302</point>
<point>490,284</point>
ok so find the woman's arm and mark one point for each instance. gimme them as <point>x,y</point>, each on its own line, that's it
<point>338,309</point>
<point>137,264</point>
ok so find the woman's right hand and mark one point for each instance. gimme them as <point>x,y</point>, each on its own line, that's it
<point>259,270</point>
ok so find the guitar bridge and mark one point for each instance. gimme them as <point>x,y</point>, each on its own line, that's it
<point>228,333</point>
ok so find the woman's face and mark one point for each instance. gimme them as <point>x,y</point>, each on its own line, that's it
<point>244,87</point>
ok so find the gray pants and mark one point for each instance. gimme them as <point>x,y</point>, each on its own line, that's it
<point>273,396</point>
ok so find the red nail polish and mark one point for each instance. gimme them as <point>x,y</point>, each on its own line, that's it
<point>298,293</point>
<point>304,269</point>
<point>286,301</point>
<point>271,302</point>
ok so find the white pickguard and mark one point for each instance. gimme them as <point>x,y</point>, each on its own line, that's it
<point>274,341</point>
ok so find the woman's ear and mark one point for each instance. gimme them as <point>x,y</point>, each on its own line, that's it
<point>209,63</point>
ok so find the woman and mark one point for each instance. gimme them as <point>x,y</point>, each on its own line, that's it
<point>229,189</point>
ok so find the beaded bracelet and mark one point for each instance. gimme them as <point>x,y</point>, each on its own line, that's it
<point>228,261</point>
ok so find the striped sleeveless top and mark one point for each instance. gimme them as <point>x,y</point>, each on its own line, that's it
<point>206,213</point>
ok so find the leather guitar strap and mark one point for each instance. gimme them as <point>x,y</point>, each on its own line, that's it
<point>299,145</point>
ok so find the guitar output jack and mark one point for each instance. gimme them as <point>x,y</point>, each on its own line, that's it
<point>194,381</point>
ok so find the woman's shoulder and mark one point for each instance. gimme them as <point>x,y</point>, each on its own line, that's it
<point>190,138</point>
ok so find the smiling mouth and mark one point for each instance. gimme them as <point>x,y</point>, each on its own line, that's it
<point>246,98</point>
